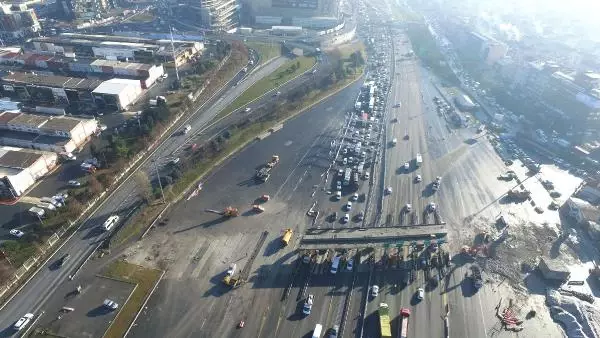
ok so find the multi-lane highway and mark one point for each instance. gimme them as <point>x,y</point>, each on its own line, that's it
<point>121,202</point>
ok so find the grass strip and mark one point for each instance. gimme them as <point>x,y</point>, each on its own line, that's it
<point>266,51</point>
<point>144,278</point>
<point>137,224</point>
<point>284,73</point>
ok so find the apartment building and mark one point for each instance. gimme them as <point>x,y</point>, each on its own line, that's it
<point>219,15</point>
<point>17,21</point>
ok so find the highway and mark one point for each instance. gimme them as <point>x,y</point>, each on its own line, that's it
<point>122,202</point>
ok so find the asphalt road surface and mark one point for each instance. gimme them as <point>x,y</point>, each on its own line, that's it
<point>122,202</point>
<point>191,300</point>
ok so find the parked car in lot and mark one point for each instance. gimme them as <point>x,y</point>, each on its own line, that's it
<point>110,304</point>
<point>338,195</point>
<point>17,233</point>
<point>346,218</point>
<point>74,183</point>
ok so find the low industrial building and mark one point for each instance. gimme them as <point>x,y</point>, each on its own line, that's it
<point>60,94</point>
<point>121,48</point>
<point>103,69</point>
<point>57,134</point>
<point>554,270</point>
<point>21,168</point>
<point>117,94</point>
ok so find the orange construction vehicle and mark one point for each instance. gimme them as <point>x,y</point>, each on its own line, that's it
<point>227,212</point>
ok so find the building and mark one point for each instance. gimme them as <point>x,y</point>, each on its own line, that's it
<point>17,22</point>
<point>314,14</point>
<point>484,48</point>
<point>554,270</point>
<point>219,15</point>
<point>119,48</point>
<point>117,94</point>
<point>57,134</point>
<point>21,168</point>
<point>84,9</point>
<point>50,90</point>
<point>286,30</point>
<point>104,69</point>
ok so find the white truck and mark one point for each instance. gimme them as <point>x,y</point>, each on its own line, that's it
<point>419,160</point>
<point>347,176</point>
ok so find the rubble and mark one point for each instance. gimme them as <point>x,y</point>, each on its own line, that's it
<point>579,319</point>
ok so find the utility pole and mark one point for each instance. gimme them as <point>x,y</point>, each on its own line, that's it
<point>162,192</point>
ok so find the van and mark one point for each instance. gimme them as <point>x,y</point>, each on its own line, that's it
<point>335,264</point>
<point>394,141</point>
<point>317,331</point>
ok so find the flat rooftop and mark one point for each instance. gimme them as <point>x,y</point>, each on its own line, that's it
<point>347,238</point>
<point>18,159</point>
<point>51,81</point>
<point>61,123</point>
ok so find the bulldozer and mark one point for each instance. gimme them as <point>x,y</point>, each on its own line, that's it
<point>233,281</point>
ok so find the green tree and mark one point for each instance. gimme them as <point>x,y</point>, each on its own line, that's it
<point>143,185</point>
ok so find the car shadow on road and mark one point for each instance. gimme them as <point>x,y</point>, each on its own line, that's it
<point>99,311</point>
<point>297,315</point>
<point>8,332</point>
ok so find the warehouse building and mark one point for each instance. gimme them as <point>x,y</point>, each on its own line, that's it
<point>117,94</point>
<point>57,134</point>
<point>146,73</point>
<point>119,48</point>
<point>50,90</point>
<point>21,168</point>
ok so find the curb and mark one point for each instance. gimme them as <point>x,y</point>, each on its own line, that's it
<point>144,304</point>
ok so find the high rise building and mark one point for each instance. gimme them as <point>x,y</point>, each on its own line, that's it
<point>219,15</point>
<point>16,21</point>
<point>315,14</point>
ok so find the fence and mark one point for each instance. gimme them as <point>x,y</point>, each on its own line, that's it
<point>46,249</point>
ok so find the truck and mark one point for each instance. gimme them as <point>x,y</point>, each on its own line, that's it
<point>287,236</point>
<point>263,174</point>
<point>273,162</point>
<point>419,160</point>
<point>404,313</point>
<point>347,176</point>
<point>384,321</point>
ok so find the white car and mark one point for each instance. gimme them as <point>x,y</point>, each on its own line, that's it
<point>388,190</point>
<point>110,222</point>
<point>345,161</point>
<point>350,264</point>
<point>438,179</point>
<point>418,178</point>
<point>248,109</point>
<point>111,304</point>
<point>338,185</point>
<point>374,291</point>
<point>367,175</point>
<point>338,195</point>
<point>354,197</point>
<point>174,160</point>
<point>74,183</point>
<point>17,233</point>
<point>408,207</point>
<point>431,206</point>
<point>346,218</point>
<point>406,166</point>
<point>23,321</point>
<point>349,206</point>
<point>420,293</point>
<point>308,304</point>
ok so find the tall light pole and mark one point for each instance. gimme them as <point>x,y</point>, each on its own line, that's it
<point>162,192</point>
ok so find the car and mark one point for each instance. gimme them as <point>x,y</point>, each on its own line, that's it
<point>345,151</point>
<point>367,175</point>
<point>110,222</point>
<point>438,179</point>
<point>306,309</point>
<point>346,218</point>
<point>110,304</point>
<point>338,195</point>
<point>349,206</point>
<point>61,261</point>
<point>334,216</point>
<point>345,161</point>
<point>350,160</point>
<point>374,291</point>
<point>231,270</point>
<point>420,293</point>
<point>338,185</point>
<point>406,166</point>
<point>350,264</point>
<point>354,197</point>
<point>388,190</point>
<point>333,333</point>
<point>247,110</point>
<point>418,178</point>
<point>17,233</point>
<point>408,207</point>
<point>360,216</point>
<point>74,183</point>
<point>431,206</point>
<point>174,161</point>
<point>23,321</point>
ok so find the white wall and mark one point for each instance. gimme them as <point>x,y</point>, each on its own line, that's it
<point>130,94</point>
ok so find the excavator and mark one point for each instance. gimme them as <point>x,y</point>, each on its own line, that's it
<point>233,281</point>
<point>227,212</point>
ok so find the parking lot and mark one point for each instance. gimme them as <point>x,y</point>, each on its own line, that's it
<point>83,313</point>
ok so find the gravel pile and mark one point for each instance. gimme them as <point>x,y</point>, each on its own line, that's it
<point>579,319</point>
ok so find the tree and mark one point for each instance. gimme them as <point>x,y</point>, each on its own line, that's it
<point>94,186</point>
<point>143,185</point>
